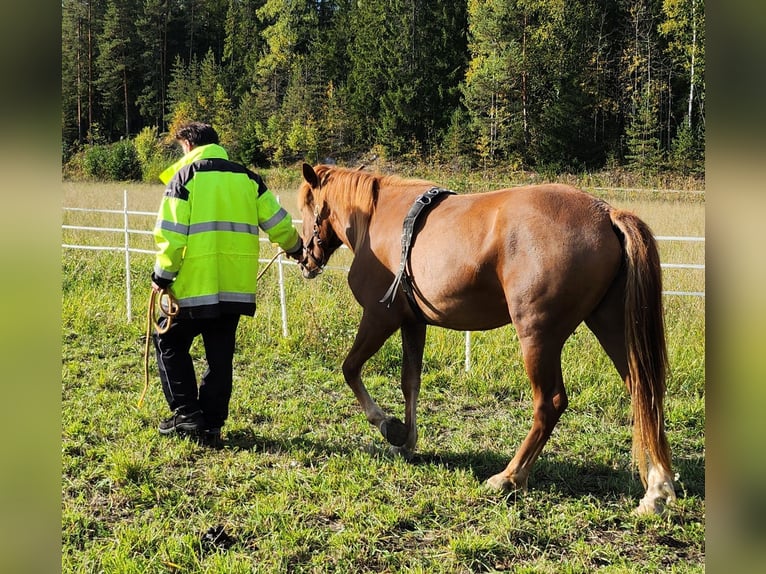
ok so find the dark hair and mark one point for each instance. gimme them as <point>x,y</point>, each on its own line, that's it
<point>197,134</point>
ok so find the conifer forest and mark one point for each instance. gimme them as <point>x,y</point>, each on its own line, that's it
<point>530,84</point>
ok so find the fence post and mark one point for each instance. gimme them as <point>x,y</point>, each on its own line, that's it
<point>467,351</point>
<point>128,301</point>
<point>282,299</point>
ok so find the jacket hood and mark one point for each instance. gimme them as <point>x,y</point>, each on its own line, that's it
<point>200,152</point>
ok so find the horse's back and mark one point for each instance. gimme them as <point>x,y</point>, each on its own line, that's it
<point>546,251</point>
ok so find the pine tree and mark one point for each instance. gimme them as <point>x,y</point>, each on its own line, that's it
<point>545,83</point>
<point>81,26</point>
<point>243,45</point>
<point>73,74</point>
<point>116,63</point>
<point>367,55</point>
<point>643,85</point>
<point>684,27</point>
<point>153,26</point>
<point>642,139</point>
<point>493,81</point>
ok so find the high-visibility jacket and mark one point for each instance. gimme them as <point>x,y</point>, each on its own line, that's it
<point>207,233</point>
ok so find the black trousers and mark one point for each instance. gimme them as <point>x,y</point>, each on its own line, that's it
<point>176,367</point>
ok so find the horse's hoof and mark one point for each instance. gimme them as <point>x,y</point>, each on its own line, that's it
<point>649,505</point>
<point>401,451</point>
<point>394,431</point>
<point>656,499</point>
<point>649,508</point>
<point>501,483</point>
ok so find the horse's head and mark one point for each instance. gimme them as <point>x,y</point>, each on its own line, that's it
<point>320,240</point>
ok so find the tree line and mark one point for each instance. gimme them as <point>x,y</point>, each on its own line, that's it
<point>555,84</point>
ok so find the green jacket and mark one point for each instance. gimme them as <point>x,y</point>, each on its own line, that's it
<point>207,233</point>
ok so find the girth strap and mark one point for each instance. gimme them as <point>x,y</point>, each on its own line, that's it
<point>423,201</point>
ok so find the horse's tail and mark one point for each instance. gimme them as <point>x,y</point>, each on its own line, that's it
<point>645,341</point>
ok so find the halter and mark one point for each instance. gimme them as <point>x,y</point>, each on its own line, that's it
<point>315,239</point>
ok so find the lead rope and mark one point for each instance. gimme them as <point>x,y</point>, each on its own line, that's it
<point>170,312</point>
<point>151,321</point>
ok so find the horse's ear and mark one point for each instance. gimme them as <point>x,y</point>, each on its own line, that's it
<point>310,175</point>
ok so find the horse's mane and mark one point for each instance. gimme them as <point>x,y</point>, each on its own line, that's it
<point>354,190</point>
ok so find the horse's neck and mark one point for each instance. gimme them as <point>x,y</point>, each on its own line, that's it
<point>353,219</point>
<point>351,224</point>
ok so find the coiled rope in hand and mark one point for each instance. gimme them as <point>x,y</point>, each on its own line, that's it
<point>170,310</point>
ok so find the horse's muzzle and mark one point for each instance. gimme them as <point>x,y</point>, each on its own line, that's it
<point>310,273</point>
<point>310,266</point>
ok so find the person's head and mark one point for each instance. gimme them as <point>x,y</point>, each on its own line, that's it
<point>195,134</point>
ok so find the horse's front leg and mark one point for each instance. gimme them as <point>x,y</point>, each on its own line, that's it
<point>413,342</point>
<point>372,333</point>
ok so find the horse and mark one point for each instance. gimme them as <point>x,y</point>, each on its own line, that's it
<point>543,257</point>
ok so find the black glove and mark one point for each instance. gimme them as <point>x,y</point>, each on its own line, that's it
<point>160,282</point>
<point>298,251</point>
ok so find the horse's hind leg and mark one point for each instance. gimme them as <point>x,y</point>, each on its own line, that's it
<point>542,361</point>
<point>607,323</point>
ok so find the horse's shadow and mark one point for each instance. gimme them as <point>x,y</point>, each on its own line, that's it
<point>551,472</point>
<point>569,477</point>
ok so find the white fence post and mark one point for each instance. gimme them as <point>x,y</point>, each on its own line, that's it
<point>282,299</point>
<point>467,351</point>
<point>128,301</point>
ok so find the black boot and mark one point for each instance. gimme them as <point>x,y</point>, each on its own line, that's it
<point>183,423</point>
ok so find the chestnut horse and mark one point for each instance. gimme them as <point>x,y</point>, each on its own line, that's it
<point>543,257</point>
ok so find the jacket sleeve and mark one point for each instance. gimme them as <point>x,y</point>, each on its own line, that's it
<point>277,223</point>
<point>170,234</point>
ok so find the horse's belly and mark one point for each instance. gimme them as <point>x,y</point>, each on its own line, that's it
<point>475,322</point>
<point>466,309</point>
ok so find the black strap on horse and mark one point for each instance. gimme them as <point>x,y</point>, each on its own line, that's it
<point>426,201</point>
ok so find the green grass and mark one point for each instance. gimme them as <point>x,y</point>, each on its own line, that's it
<point>305,484</point>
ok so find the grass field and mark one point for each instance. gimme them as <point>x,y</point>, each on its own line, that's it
<point>304,484</point>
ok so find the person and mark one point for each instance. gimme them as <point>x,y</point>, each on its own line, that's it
<point>207,235</point>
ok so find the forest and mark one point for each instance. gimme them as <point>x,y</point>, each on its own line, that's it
<point>528,84</point>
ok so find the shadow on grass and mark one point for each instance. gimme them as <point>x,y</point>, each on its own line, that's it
<point>550,472</point>
<point>247,439</point>
<point>575,478</point>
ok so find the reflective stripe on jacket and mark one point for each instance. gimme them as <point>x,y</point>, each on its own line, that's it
<point>207,232</point>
